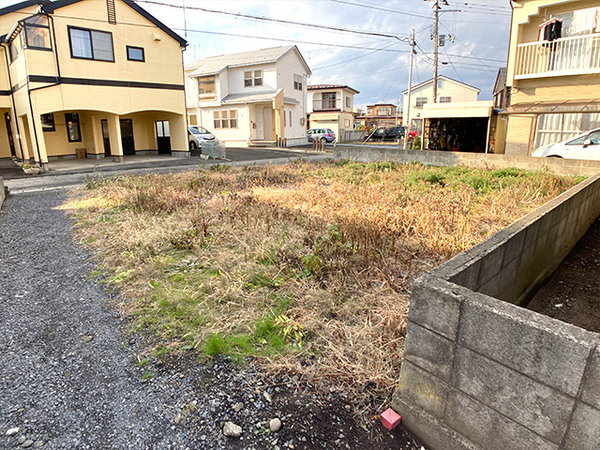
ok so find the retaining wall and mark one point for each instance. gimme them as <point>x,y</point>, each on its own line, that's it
<point>481,372</point>
<point>438,158</point>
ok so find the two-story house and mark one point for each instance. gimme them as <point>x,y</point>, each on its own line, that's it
<point>89,78</point>
<point>380,115</point>
<point>250,98</point>
<point>331,106</point>
<point>448,91</point>
<point>553,72</point>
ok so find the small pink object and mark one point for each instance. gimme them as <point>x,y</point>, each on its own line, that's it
<point>390,419</point>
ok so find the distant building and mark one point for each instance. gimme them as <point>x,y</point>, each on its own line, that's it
<point>553,72</point>
<point>331,106</point>
<point>250,98</point>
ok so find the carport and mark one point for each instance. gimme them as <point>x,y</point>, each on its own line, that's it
<point>460,126</point>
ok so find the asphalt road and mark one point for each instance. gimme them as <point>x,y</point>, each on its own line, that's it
<point>60,178</point>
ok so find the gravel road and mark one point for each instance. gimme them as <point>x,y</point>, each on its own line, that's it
<point>68,373</point>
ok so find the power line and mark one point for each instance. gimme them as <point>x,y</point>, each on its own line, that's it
<point>286,22</point>
<point>379,8</point>
<point>353,59</point>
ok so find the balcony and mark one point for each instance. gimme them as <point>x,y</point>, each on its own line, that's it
<point>331,104</point>
<point>576,55</point>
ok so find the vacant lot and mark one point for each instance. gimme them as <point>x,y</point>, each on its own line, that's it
<point>305,266</point>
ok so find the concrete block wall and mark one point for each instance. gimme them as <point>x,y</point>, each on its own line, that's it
<point>479,371</point>
<point>438,158</point>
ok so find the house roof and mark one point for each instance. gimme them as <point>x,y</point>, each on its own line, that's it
<point>316,87</point>
<point>441,77</point>
<point>257,97</point>
<point>380,104</point>
<point>216,64</point>
<point>50,6</point>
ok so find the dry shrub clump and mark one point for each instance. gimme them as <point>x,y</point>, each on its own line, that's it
<point>307,266</point>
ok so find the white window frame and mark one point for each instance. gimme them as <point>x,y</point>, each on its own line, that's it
<point>253,78</point>
<point>225,118</point>
<point>298,82</point>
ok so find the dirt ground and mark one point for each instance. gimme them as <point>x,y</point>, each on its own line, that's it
<point>573,293</point>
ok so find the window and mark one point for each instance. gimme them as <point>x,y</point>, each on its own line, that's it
<point>225,119</point>
<point>440,84</point>
<point>421,101</point>
<point>329,100</point>
<point>91,44</point>
<point>47,122</point>
<point>348,102</point>
<point>298,82</point>
<point>37,33</point>
<point>206,85</point>
<point>290,121</point>
<point>384,111</point>
<point>445,99</point>
<point>553,128</point>
<point>16,45</point>
<point>73,130</point>
<point>346,123</point>
<point>253,78</point>
<point>135,54</point>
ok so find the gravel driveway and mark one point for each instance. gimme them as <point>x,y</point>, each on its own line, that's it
<point>68,373</point>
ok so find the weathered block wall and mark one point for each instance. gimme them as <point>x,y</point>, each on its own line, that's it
<point>438,158</point>
<point>481,373</point>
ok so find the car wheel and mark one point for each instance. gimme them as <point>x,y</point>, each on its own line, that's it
<point>193,145</point>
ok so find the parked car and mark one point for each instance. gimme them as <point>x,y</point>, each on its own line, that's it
<point>583,146</point>
<point>387,134</point>
<point>319,134</point>
<point>197,135</point>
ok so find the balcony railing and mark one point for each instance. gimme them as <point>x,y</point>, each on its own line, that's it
<point>566,56</point>
<point>327,104</point>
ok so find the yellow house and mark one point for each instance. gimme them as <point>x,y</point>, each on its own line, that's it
<point>91,78</point>
<point>553,73</point>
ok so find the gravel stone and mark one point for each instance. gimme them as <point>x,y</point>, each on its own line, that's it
<point>230,429</point>
<point>238,407</point>
<point>28,443</point>
<point>275,425</point>
<point>12,431</point>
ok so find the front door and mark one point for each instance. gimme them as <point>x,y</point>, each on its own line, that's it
<point>127,137</point>
<point>10,135</point>
<point>163,137</point>
<point>105,137</point>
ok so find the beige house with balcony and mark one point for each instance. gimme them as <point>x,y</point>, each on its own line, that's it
<point>331,106</point>
<point>250,98</point>
<point>89,78</point>
<point>553,73</point>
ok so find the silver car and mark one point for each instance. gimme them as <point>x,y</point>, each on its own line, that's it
<point>583,146</point>
<point>320,134</point>
<point>197,135</point>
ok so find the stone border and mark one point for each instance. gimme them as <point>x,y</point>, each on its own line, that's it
<point>560,166</point>
<point>479,371</point>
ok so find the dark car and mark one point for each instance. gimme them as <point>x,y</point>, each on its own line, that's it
<point>378,134</point>
<point>394,133</point>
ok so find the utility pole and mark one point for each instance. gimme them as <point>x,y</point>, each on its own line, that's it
<point>407,121</point>
<point>436,41</point>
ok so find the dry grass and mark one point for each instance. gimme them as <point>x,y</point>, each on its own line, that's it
<point>308,266</point>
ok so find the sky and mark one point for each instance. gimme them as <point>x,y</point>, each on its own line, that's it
<point>372,56</point>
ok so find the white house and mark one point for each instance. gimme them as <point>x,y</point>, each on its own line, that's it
<point>449,91</point>
<point>331,106</point>
<point>250,98</point>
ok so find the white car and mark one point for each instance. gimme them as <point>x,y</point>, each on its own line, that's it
<point>197,135</point>
<point>583,146</point>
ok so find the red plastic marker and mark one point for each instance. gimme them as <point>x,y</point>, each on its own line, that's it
<point>390,419</point>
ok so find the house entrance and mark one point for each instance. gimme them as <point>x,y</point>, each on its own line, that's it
<point>105,137</point>
<point>163,137</point>
<point>10,135</point>
<point>127,137</point>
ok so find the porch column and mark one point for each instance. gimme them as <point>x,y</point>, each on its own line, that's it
<point>37,137</point>
<point>97,137</point>
<point>21,138</point>
<point>179,137</point>
<point>278,108</point>
<point>114,135</point>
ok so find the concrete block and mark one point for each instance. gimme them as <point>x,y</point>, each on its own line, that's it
<point>531,234</point>
<point>489,430</point>
<point>419,388</point>
<point>469,276</point>
<point>532,404</point>
<point>584,433</point>
<point>543,348</point>
<point>491,287</point>
<point>514,246</point>
<point>591,384</point>
<point>491,264</point>
<point>509,290</point>
<point>434,433</point>
<point>429,351</point>
<point>435,304</point>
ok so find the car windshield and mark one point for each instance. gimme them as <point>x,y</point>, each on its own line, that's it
<point>198,130</point>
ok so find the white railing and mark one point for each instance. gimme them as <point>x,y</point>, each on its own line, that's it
<point>566,56</point>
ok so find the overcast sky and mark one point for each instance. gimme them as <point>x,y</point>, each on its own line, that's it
<point>376,66</point>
